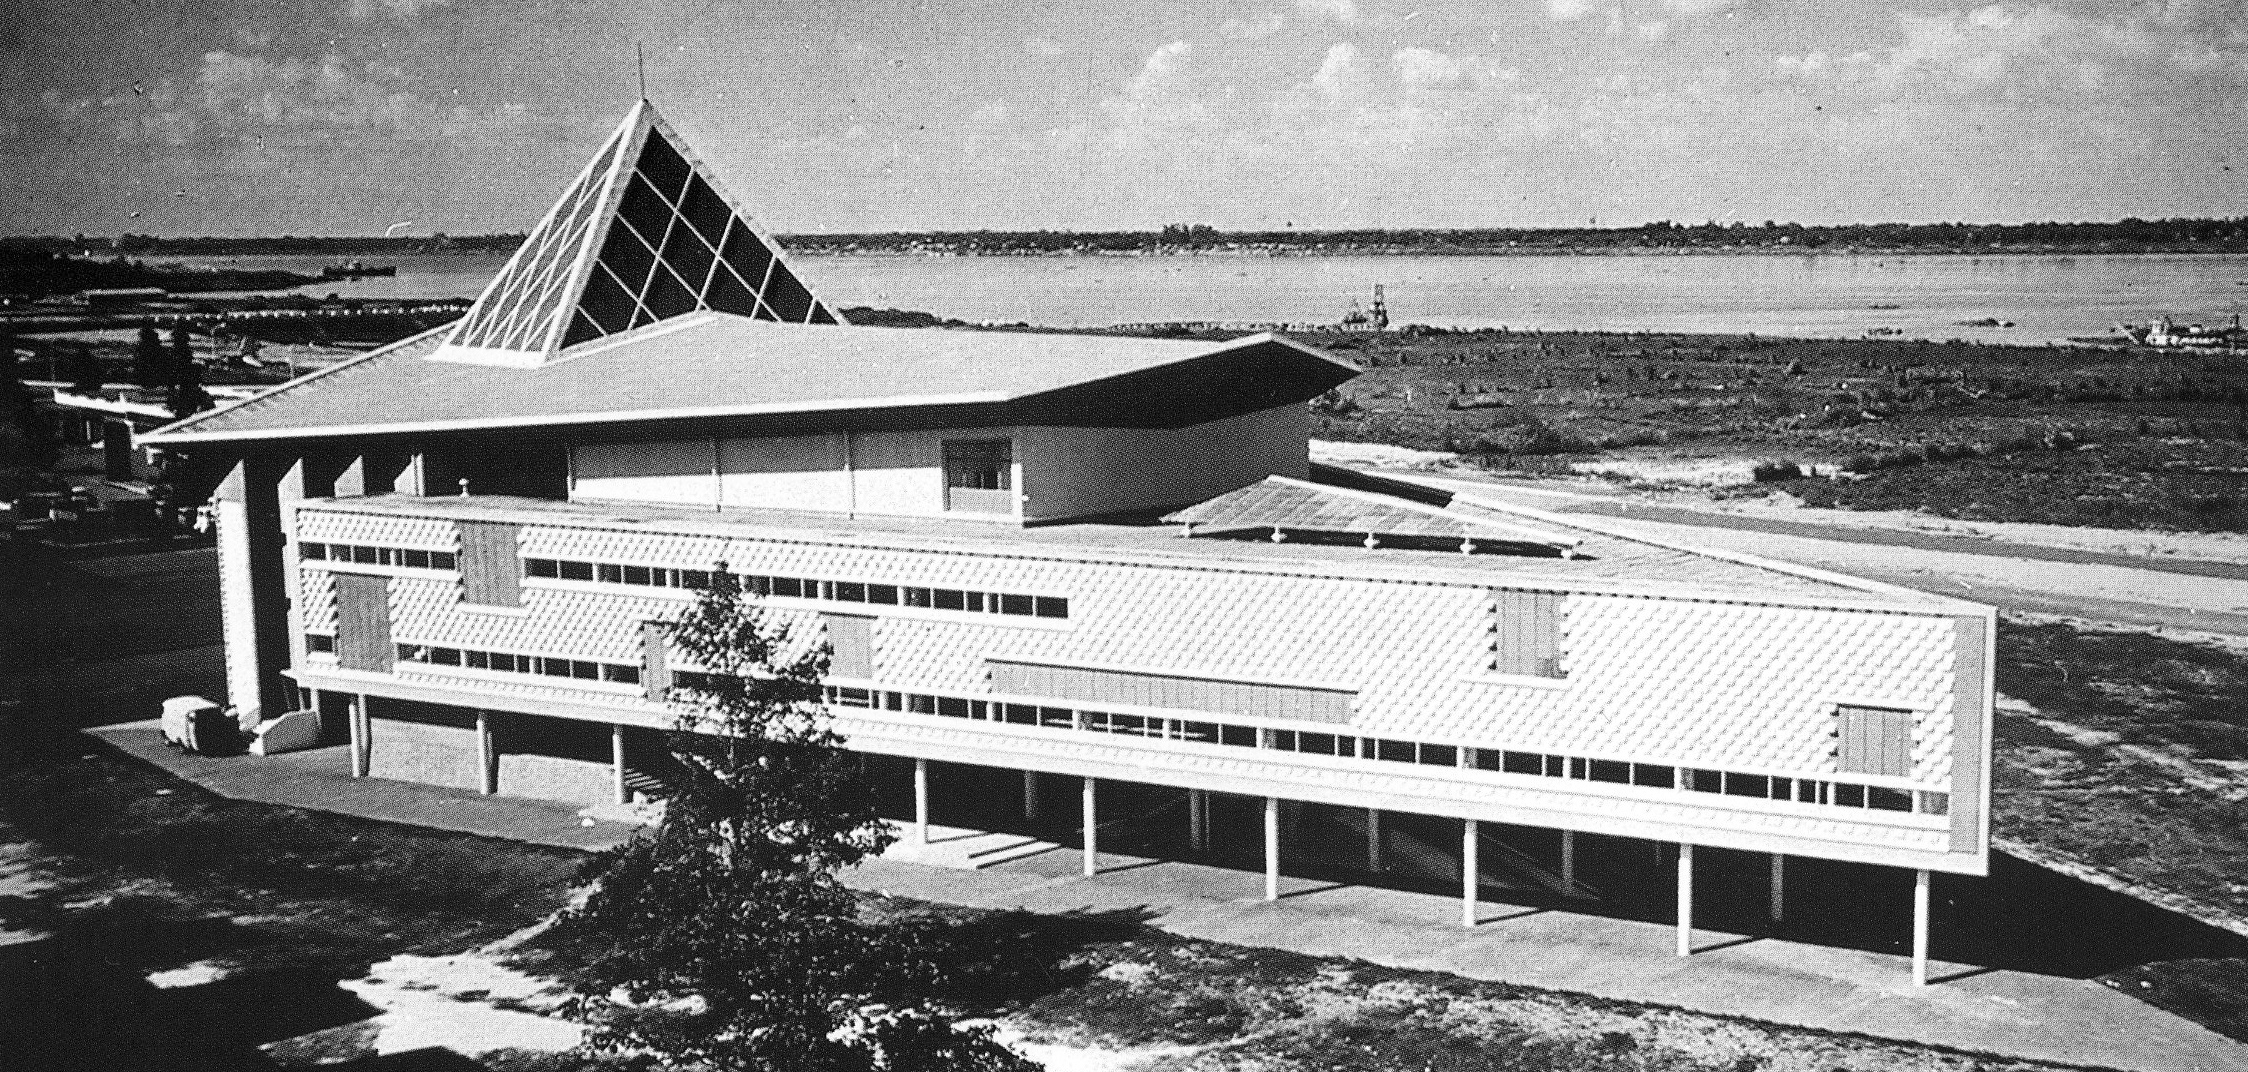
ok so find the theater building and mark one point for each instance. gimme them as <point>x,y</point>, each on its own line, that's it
<point>1044,555</point>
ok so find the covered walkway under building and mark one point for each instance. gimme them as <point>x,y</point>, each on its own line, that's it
<point>1280,848</point>
<point>2021,954</point>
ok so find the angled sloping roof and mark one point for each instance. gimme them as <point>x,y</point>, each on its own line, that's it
<point>1282,504</point>
<point>645,295</point>
<point>645,233</point>
<point>720,365</point>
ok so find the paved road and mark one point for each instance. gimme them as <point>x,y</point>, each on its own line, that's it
<point>2195,595</point>
<point>1887,537</point>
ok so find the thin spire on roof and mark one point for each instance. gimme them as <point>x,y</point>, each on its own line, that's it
<point>644,234</point>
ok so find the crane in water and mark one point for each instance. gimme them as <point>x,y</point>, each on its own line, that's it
<point>1372,318</point>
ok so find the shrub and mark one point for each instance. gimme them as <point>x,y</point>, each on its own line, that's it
<point>1770,472</point>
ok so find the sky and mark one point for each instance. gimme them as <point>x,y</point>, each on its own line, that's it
<point>417,116</point>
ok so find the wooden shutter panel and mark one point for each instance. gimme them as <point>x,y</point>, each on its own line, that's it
<point>655,664</point>
<point>852,638</point>
<point>363,623</point>
<point>1875,740</point>
<point>491,565</point>
<point>1526,633</point>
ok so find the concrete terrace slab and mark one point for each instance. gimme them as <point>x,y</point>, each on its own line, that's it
<point>2012,1014</point>
<point>320,779</point>
<point>2007,1013</point>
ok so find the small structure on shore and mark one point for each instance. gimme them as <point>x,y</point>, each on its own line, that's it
<point>1373,318</point>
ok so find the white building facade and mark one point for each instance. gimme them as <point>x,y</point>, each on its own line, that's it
<point>460,552</point>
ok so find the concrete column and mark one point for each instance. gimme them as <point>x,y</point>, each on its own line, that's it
<point>1778,905</point>
<point>1030,794</point>
<point>1374,840</point>
<point>616,763</point>
<point>1685,899</point>
<point>1092,832</point>
<point>1272,848</point>
<point>1471,871</point>
<point>1920,928</point>
<point>1569,861</point>
<point>1198,820</point>
<point>356,714</point>
<point>487,761</point>
<point>920,802</point>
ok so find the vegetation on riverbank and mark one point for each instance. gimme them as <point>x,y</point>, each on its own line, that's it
<point>2065,435</point>
<point>2188,235</point>
<point>38,273</point>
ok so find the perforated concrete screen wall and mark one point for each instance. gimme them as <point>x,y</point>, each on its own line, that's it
<point>1681,716</point>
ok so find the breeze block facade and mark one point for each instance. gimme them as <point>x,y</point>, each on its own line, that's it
<point>1782,713</point>
<point>1058,554</point>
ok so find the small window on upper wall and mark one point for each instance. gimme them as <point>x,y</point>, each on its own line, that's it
<point>979,476</point>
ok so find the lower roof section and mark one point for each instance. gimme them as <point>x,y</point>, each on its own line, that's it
<point>1600,561</point>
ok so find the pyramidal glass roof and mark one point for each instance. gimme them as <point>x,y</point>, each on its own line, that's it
<point>644,234</point>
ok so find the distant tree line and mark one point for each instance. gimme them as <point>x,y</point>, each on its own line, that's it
<point>39,272</point>
<point>296,245</point>
<point>2127,235</point>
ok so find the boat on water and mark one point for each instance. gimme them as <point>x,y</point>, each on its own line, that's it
<point>2164,333</point>
<point>356,270</point>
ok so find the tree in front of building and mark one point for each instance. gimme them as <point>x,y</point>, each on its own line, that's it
<point>185,395</point>
<point>150,362</point>
<point>27,440</point>
<point>724,939</point>
<point>11,368</point>
<point>84,370</point>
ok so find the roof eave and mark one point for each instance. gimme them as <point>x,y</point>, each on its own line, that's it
<point>566,420</point>
<point>179,431</point>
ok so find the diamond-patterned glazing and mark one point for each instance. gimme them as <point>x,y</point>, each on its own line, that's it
<point>662,241</point>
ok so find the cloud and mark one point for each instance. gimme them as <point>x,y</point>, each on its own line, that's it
<point>1161,95</point>
<point>1615,11</point>
<point>1572,10</point>
<point>263,108</point>
<point>2163,56</point>
<point>1044,46</point>
<point>363,10</point>
<point>1342,11</point>
<point>1340,70</point>
<point>1251,30</point>
<point>1423,68</point>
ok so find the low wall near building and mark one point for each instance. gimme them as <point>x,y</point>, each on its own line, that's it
<point>423,743</point>
<point>554,759</point>
<point>573,781</point>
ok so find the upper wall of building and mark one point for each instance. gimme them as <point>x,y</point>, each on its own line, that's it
<point>1850,726</point>
<point>1017,473</point>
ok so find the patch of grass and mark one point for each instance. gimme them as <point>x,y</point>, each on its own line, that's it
<point>2084,800</point>
<point>100,807</point>
<point>2134,484</point>
<point>1975,432</point>
<point>2145,689</point>
<point>2210,992</point>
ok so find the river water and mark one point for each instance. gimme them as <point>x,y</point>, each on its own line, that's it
<point>2048,298</point>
